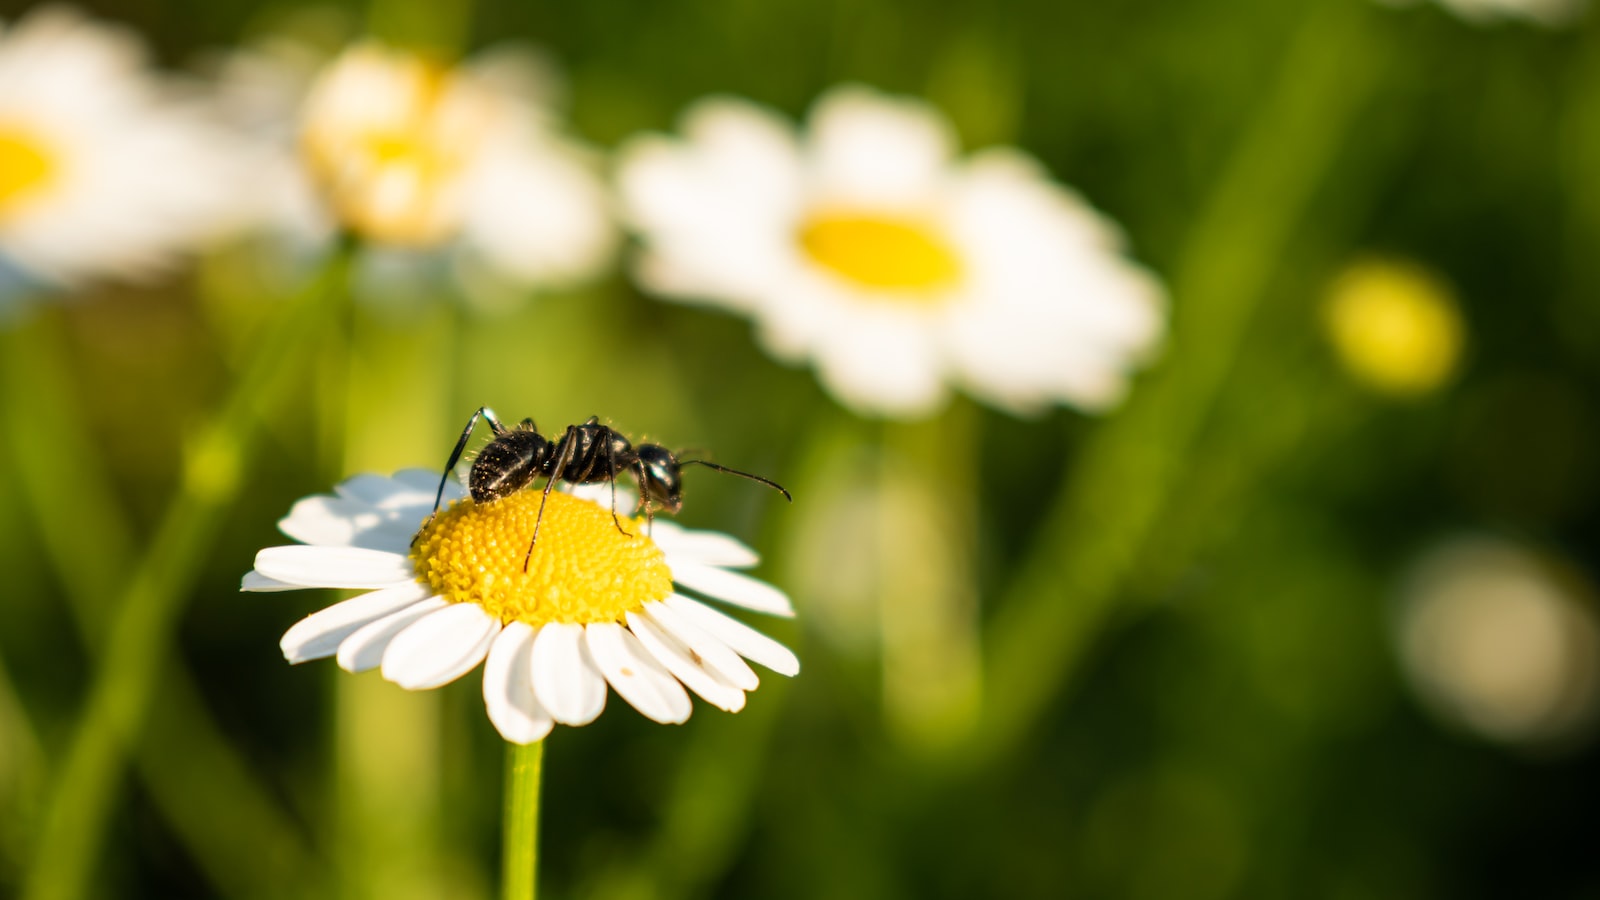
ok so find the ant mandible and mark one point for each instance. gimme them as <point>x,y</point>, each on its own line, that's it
<point>585,454</point>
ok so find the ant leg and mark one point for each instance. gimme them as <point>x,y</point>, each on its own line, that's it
<point>644,497</point>
<point>614,520</point>
<point>455,457</point>
<point>611,476</point>
<point>461,445</point>
<point>591,457</point>
<point>564,450</point>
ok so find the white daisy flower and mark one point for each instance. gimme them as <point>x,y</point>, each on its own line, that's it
<point>866,246</point>
<point>105,169</point>
<point>413,155</point>
<point>594,606</point>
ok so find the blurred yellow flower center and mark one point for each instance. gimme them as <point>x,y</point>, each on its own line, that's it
<point>388,135</point>
<point>877,251</point>
<point>405,148</point>
<point>582,570</point>
<point>25,165</point>
<point>1395,327</point>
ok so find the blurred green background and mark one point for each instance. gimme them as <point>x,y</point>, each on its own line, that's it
<point>1172,670</point>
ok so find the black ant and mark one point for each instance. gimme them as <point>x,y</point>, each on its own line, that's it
<point>586,454</point>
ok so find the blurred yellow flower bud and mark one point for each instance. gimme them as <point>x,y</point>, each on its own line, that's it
<point>1395,326</point>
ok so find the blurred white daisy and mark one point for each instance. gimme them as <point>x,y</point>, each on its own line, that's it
<point>593,607</point>
<point>414,155</point>
<point>106,170</point>
<point>866,246</point>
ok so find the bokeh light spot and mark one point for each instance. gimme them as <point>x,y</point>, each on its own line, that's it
<point>1395,327</point>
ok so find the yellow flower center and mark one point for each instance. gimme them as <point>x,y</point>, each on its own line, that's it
<point>878,251</point>
<point>583,570</point>
<point>388,136</point>
<point>26,166</point>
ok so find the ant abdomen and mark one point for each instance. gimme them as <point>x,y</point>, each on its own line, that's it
<point>507,464</point>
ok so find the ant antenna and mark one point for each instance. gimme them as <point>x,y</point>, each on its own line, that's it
<point>711,465</point>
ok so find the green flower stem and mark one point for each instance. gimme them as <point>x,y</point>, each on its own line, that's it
<point>1115,498</point>
<point>70,506</point>
<point>520,864</point>
<point>139,641</point>
<point>927,593</point>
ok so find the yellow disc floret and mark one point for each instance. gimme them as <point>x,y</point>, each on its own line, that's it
<point>583,570</point>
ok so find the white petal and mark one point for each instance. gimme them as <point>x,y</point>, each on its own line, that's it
<point>731,587</point>
<point>565,678</point>
<point>320,633</point>
<point>749,151</point>
<point>327,521</point>
<point>508,687</point>
<point>636,675</point>
<point>737,171</point>
<point>708,548</point>
<point>745,641</point>
<point>566,235</point>
<point>599,494</point>
<point>685,665</point>
<point>876,148</point>
<point>334,567</point>
<point>369,488</point>
<point>1056,312</point>
<point>255,581</point>
<point>728,665</point>
<point>393,536</point>
<point>427,481</point>
<point>363,650</point>
<point>884,363</point>
<point>718,209</point>
<point>440,647</point>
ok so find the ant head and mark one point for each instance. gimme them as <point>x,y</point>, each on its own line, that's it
<point>663,483</point>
